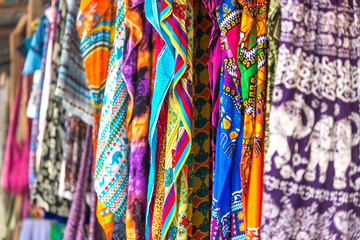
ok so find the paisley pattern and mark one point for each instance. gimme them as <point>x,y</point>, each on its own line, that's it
<point>311,181</point>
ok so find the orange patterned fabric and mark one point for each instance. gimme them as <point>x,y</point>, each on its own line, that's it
<point>253,83</point>
<point>96,26</point>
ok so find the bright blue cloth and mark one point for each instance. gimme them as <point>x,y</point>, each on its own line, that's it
<point>34,55</point>
<point>227,194</point>
<point>164,75</point>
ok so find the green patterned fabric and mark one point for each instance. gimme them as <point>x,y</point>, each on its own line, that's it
<point>273,33</point>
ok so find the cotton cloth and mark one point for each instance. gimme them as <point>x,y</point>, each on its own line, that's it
<point>203,171</point>
<point>47,179</point>
<point>252,63</point>
<point>44,23</point>
<point>96,27</point>
<point>311,183</point>
<point>137,70</point>
<point>35,229</point>
<point>72,86</point>
<point>75,228</point>
<point>112,161</point>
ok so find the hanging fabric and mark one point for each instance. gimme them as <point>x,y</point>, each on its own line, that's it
<point>72,86</point>
<point>137,70</point>
<point>96,27</point>
<point>75,228</point>
<point>46,188</point>
<point>15,169</point>
<point>311,181</point>
<point>112,160</point>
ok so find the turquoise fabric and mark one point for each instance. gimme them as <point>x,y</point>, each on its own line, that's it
<point>112,160</point>
<point>163,78</point>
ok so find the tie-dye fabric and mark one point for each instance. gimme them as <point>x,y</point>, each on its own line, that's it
<point>111,172</point>
<point>311,180</point>
<point>252,63</point>
<point>96,26</point>
<point>202,178</point>
<point>72,86</point>
<point>138,66</point>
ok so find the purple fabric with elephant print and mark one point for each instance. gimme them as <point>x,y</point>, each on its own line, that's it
<point>312,175</point>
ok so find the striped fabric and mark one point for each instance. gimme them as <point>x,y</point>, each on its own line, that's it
<point>72,86</point>
<point>95,24</point>
<point>174,21</point>
<point>165,65</point>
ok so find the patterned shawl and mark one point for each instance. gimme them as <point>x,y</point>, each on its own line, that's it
<point>47,179</point>
<point>252,63</point>
<point>137,71</point>
<point>177,22</point>
<point>311,181</point>
<point>202,178</point>
<point>96,27</point>
<point>72,86</point>
<point>227,220</point>
<point>111,173</point>
<point>164,70</point>
<point>35,123</point>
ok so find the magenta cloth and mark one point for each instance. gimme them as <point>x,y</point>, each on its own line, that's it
<point>16,160</point>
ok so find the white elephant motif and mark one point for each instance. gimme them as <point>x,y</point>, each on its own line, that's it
<point>287,121</point>
<point>321,142</point>
<point>345,140</point>
<point>332,141</point>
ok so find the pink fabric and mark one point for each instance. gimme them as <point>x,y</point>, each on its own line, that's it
<point>16,159</point>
